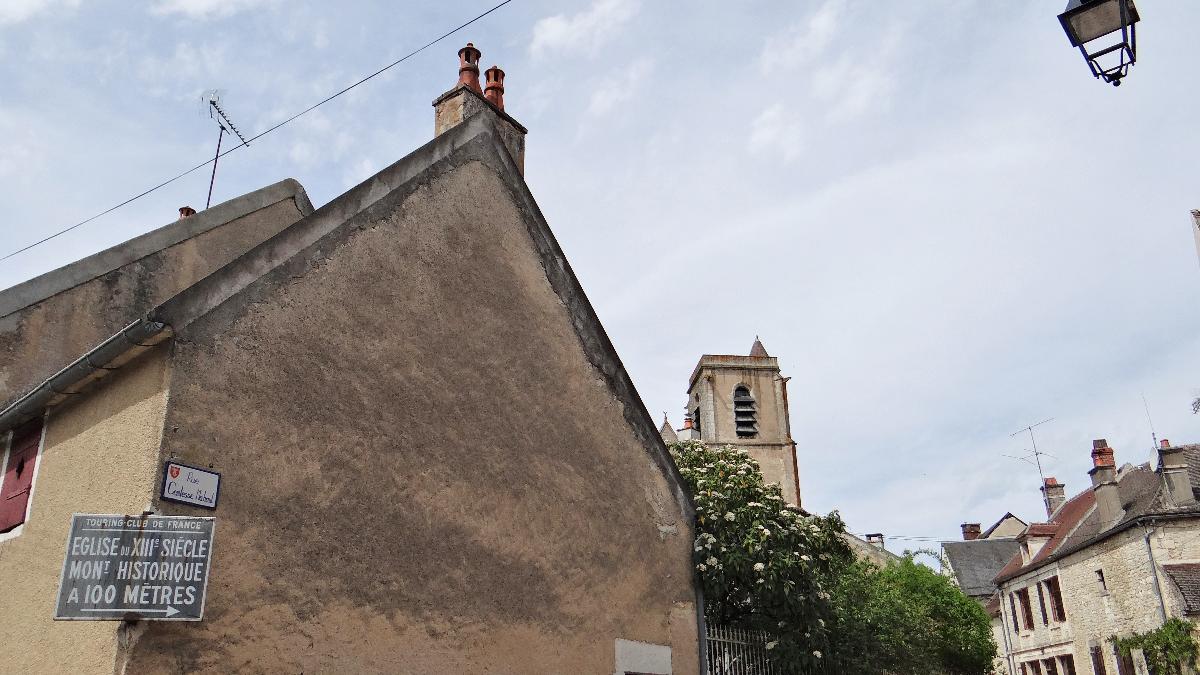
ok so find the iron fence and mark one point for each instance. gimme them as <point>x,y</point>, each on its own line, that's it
<point>734,651</point>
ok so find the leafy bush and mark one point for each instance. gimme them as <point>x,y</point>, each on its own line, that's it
<point>1167,648</point>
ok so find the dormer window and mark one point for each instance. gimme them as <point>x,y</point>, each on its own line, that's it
<point>744,413</point>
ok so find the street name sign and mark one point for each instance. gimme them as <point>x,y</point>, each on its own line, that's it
<point>150,567</point>
<point>190,485</point>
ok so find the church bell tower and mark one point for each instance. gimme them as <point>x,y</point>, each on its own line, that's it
<point>742,401</point>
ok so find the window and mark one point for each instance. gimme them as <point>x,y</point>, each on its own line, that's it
<point>1035,668</point>
<point>744,414</point>
<point>1068,664</point>
<point>1012,603</point>
<point>1124,663</point>
<point>1057,610</point>
<point>1051,666</point>
<point>1026,609</point>
<point>18,474</point>
<point>1042,605</point>
<point>1100,578</point>
<point>1098,661</point>
<point>696,421</point>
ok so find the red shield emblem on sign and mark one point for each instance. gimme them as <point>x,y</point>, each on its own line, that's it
<point>174,471</point>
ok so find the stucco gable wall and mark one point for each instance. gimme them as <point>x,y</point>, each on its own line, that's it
<point>422,472</point>
<point>99,455</point>
<point>39,339</point>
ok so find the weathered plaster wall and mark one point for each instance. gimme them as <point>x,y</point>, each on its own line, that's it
<point>99,456</point>
<point>1130,602</point>
<point>421,471</point>
<point>39,340</point>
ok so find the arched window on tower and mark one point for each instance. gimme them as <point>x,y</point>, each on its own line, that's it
<point>744,412</point>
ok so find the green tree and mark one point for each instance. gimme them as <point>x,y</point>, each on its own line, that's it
<point>768,566</point>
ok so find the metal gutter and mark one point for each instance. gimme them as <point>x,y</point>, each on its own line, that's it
<point>143,333</point>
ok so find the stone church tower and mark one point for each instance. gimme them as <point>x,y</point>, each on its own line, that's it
<point>742,401</point>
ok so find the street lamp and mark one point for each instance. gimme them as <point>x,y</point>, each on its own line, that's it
<point>1089,20</point>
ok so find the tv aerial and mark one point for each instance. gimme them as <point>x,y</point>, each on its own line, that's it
<point>212,101</point>
<point>1034,457</point>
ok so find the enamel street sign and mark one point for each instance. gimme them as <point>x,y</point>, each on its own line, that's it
<point>190,485</point>
<point>135,567</point>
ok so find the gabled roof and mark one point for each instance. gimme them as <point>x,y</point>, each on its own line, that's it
<point>315,237</point>
<point>64,278</point>
<point>1143,495</point>
<point>976,563</point>
<point>988,532</point>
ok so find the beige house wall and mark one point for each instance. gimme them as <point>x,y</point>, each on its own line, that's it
<point>99,455</point>
<point>1129,604</point>
<point>421,470</point>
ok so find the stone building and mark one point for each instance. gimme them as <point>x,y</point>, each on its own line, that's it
<point>1115,559</point>
<point>974,562</point>
<point>742,401</point>
<point>432,460</point>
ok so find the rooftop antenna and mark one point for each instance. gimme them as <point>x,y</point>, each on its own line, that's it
<point>1153,436</point>
<point>1036,455</point>
<point>215,112</point>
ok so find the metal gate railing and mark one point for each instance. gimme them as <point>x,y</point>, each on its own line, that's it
<point>734,651</point>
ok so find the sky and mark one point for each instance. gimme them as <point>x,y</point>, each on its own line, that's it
<point>939,222</point>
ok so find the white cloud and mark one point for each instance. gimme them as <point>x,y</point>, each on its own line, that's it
<point>16,11</point>
<point>583,32</point>
<point>803,42</point>
<point>618,88</point>
<point>775,132</point>
<point>207,9</point>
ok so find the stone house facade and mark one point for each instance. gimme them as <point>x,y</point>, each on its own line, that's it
<point>974,562</point>
<point>1113,560</point>
<point>432,459</point>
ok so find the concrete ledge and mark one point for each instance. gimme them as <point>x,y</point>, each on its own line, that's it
<point>51,283</point>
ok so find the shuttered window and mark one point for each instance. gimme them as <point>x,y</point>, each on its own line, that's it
<point>18,474</point>
<point>1012,603</point>
<point>1054,590</point>
<point>1068,664</point>
<point>1098,662</point>
<point>1042,605</point>
<point>745,415</point>
<point>1026,609</point>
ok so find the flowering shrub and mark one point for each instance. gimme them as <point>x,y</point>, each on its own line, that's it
<point>765,565</point>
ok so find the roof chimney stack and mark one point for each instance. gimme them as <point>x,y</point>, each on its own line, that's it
<point>875,539</point>
<point>1104,484</point>
<point>1054,494</point>
<point>1174,466</point>
<point>186,212</point>
<point>970,531</point>
<point>466,100</point>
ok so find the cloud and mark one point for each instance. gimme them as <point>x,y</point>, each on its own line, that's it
<point>619,88</point>
<point>16,11</point>
<point>207,9</point>
<point>803,42</point>
<point>583,32</point>
<point>776,132</point>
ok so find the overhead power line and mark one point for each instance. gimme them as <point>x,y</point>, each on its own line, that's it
<point>289,120</point>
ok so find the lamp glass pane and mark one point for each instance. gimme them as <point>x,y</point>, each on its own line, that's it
<point>1096,21</point>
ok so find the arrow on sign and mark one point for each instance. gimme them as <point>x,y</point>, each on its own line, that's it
<point>169,611</point>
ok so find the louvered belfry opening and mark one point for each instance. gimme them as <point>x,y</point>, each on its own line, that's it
<point>744,413</point>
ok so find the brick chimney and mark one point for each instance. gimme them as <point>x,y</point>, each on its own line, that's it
<point>1104,484</point>
<point>186,212</point>
<point>466,100</point>
<point>1054,494</point>
<point>1174,467</point>
<point>970,531</point>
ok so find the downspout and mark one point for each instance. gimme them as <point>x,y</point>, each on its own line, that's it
<point>1012,666</point>
<point>1162,605</point>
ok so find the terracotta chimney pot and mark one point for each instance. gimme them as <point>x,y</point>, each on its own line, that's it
<point>494,91</point>
<point>468,67</point>
<point>186,212</point>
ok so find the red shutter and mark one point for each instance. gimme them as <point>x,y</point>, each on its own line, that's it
<point>18,474</point>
